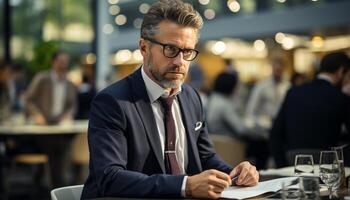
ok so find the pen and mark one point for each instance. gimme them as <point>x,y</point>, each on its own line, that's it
<point>234,180</point>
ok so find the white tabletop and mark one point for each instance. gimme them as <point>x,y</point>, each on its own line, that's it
<point>79,126</point>
<point>289,171</point>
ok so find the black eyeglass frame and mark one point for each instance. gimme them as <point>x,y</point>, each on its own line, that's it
<point>196,52</point>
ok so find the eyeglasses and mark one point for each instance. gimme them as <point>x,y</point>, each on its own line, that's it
<point>171,51</point>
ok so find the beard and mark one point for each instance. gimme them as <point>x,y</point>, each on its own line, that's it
<point>161,78</point>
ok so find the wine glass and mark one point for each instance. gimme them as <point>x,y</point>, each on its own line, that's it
<point>329,169</point>
<point>342,180</point>
<point>304,165</point>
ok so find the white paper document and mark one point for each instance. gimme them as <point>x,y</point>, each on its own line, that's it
<point>236,192</point>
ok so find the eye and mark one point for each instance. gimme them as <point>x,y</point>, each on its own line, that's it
<point>187,52</point>
<point>171,49</point>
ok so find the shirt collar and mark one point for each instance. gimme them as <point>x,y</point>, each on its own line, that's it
<point>154,90</point>
<point>325,77</point>
<point>55,78</point>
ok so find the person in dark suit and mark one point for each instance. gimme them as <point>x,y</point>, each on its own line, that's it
<point>133,151</point>
<point>312,114</point>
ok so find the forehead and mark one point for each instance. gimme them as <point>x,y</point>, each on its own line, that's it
<point>173,33</point>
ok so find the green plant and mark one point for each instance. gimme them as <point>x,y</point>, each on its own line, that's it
<point>42,54</point>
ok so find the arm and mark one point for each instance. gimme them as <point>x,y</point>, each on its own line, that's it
<point>108,143</point>
<point>31,95</point>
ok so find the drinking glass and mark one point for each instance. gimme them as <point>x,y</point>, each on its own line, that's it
<point>329,169</point>
<point>342,181</point>
<point>310,187</point>
<point>304,165</point>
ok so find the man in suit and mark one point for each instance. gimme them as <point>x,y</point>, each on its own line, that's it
<point>312,114</point>
<point>133,151</point>
<point>51,99</point>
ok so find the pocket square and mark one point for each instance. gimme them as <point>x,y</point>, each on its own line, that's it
<point>198,126</point>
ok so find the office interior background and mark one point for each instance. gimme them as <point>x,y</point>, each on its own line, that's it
<point>102,36</point>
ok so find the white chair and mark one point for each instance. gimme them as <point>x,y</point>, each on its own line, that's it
<point>67,193</point>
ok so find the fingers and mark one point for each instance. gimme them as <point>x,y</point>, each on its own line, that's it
<point>248,175</point>
<point>208,184</point>
<point>219,179</point>
<point>223,176</point>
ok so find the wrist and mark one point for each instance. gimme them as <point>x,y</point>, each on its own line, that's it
<point>188,190</point>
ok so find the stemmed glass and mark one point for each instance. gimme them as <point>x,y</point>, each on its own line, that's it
<point>329,169</point>
<point>304,165</point>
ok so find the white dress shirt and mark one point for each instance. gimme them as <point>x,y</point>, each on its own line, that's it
<point>59,91</point>
<point>265,101</point>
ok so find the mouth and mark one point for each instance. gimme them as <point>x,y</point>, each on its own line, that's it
<point>175,74</point>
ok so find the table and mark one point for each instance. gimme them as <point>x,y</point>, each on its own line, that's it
<point>77,126</point>
<point>266,196</point>
<point>324,195</point>
<point>54,140</point>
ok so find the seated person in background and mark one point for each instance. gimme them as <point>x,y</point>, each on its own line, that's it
<point>312,114</point>
<point>51,98</point>
<point>222,116</point>
<point>134,152</point>
<point>223,119</point>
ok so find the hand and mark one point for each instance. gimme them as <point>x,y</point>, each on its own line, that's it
<point>248,175</point>
<point>208,184</point>
<point>40,119</point>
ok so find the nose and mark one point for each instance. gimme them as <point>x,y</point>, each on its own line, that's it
<point>179,60</point>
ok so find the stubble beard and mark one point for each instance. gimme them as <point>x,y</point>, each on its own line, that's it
<point>163,81</point>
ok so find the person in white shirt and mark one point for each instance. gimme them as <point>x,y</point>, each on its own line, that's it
<point>262,107</point>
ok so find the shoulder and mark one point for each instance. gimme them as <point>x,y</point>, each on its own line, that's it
<point>124,88</point>
<point>190,92</point>
<point>43,76</point>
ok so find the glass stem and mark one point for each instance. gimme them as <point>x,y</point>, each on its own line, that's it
<point>330,192</point>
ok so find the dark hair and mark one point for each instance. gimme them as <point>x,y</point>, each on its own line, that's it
<point>225,83</point>
<point>4,65</point>
<point>57,53</point>
<point>334,61</point>
<point>172,10</point>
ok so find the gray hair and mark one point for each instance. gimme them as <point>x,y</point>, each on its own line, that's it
<point>173,10</point>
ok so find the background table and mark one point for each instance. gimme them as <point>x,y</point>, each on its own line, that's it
<point>53,140</point>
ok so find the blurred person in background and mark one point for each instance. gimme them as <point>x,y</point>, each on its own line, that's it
<point>222,115</point>
<point>346,84</point>
<point>196,80</point>
<point>263,104</point>
<point>5,99</point>
<point>298,79</point>
<point>51,98</point>
<point>224,119</point>
<point>86,92</point>
<point>267,96</point>
<point>312,114</point>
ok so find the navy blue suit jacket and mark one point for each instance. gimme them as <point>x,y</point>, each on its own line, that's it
<point>310,117</point>
<point>125,151</point>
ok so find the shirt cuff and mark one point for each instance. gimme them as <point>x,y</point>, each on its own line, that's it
<point>183,187</point>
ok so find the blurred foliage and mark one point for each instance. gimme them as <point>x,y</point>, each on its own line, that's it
<point>29,22</point>
<point>42,54</point>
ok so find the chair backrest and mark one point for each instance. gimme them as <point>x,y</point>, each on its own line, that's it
<point>67,193</point>
<point>231,150</point>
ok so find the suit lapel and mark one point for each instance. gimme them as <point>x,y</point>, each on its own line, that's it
<point>194,165</point>
<point>145,111</point>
